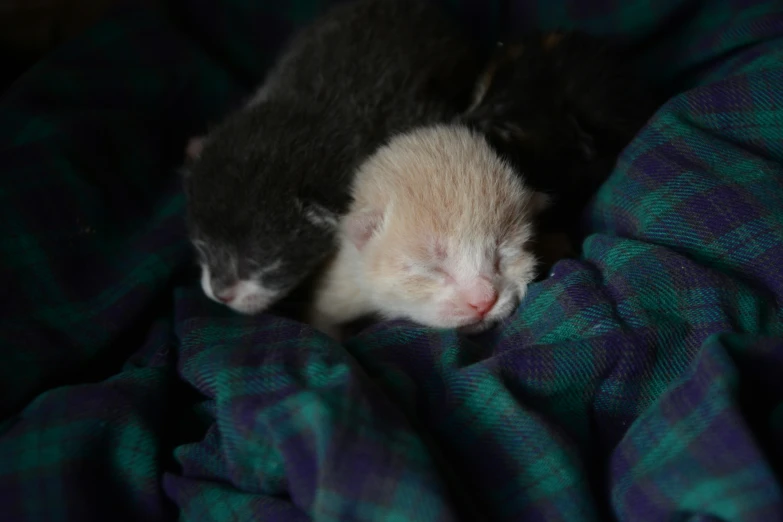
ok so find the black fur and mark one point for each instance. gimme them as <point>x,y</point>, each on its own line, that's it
<point>363,71</point>
<point>561,107</point>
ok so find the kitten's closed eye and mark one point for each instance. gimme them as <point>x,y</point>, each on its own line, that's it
<point>246,268</point>
<point>441,272</point>
<point>252,265</point>
<point>426,270</point>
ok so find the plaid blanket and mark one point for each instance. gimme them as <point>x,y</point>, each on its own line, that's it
<point>642,382</point>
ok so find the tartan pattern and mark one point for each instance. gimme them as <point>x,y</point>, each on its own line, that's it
<point>640,383</point>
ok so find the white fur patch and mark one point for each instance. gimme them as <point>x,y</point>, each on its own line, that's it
<point>318,215</point>
<point>206,286</point>
<point>271,267</point>
<point>250,297</point>
<point>320,220</point>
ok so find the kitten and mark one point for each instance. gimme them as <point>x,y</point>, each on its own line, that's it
<point>560,107</point>
<point>439,232</point>
<point>266,187</point>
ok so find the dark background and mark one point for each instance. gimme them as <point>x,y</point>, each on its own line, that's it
<point>30,28</point>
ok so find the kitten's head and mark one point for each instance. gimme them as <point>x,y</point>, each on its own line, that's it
<point>442,227</point>
<point>253,248</point>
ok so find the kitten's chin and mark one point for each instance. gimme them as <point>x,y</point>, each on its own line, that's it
<point>506,305</point>
<point>477,328</point>
<point>483,325</point>
<point>255,300</point>
<point>465,327</point>
<point>251,298</point>
<point>250,308</point>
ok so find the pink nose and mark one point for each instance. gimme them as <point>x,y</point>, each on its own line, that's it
<point>480,295</point>
<point>225,296</point>
<point>485,304</point>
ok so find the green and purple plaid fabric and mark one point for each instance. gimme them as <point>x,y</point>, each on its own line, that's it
<point>643,382</point>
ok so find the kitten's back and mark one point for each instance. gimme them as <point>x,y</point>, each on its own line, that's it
<point>367,54</point>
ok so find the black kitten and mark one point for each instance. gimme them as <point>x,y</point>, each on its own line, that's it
<point>266,187</point>
<point>561,107</point>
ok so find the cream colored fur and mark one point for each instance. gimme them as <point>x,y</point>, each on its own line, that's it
<point>437,218</point>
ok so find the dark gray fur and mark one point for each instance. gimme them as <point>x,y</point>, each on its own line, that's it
<point>344,84</point>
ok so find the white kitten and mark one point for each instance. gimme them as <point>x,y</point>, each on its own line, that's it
<point>439,232</point>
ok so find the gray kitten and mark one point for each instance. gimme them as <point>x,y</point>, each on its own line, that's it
<point>266,187</point>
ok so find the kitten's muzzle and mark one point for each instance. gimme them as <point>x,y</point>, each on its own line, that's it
<point>225,296</point>
<point>479,297</point>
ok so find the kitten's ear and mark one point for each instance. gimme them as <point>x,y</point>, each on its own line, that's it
<point>361,226</point>
<point>192,154</point>
<point>318,214</point>
<point>539,202</point>
<point>193,149</point>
